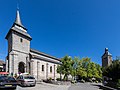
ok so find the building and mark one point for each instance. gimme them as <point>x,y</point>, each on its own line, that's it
<point>106,58</point>
<point>22,59</point>
<point>2,66</point>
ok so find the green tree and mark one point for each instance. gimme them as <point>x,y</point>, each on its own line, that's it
<point>94,70</point>
<point>74,66</point>
<point>83,68</point>
<point>66,66</point>
<point>88,69</point>
<point>112,71</point>
<point>99,68</point>
<point>82,72</point>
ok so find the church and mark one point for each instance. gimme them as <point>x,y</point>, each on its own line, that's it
<point>22,59</point>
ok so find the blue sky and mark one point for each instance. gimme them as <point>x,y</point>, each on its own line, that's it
<point>66,27</point>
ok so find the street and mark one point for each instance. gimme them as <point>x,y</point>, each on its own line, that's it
<point>84,86</point>
<point>77,86</point>
<point>45,86</point>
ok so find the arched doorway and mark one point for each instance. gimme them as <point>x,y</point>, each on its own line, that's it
<point>21,67</point>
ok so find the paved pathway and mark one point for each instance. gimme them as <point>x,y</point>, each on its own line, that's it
<point>85,86</point>
<point>44,86</point>
<point>77,86</point>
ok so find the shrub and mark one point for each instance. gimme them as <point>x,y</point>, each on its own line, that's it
<point>118,83</point>
<point>50,79</point>
<point>96,81</point>
<point>58,79</point>
<point>83,81</point>
<point>73,81</point>
<point>89,80</point>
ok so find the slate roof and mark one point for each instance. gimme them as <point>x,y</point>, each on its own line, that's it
<point>17,24</point>
<point>107,52</point>
<point>43,54</point>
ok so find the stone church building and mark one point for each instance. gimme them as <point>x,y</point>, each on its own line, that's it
<point>22,59</point>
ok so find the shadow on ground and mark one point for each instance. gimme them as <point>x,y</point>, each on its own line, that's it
<point>6,89</point>
<point>101,87</point>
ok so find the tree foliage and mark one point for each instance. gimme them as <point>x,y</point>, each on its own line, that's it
<point>89,69</point>
<point>66,67</point>
<point>112,71</point>
<point>79,67</point>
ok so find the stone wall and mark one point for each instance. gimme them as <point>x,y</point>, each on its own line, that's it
<point>17,44</point>
<point>46,74</point>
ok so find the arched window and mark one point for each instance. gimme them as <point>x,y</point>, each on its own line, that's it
<point>51,69</point>
<point>42,67</point>
<point>21,67</point>
<point>21,40</point>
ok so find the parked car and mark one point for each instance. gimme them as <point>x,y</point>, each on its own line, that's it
<point>26,80</point>
<point>8,82</point>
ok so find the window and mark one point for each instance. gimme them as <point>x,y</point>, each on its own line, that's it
<point>42,67</point>
<point>29,77</point>
<point>50,68</point>
<point>21,40</point>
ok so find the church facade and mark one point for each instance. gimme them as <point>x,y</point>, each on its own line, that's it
<point>22,59</point>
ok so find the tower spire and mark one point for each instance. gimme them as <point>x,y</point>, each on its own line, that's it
<point>18,20</point>
<point>17,6</point>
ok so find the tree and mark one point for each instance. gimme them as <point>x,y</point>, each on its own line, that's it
<point>66,66</point>
<point>99,68</point>
<point>82,72</point>
<point>112,71</point>
<point>83,68</point>
<point>94,70</point>
<point>88,69</point>
<point>74,66</point>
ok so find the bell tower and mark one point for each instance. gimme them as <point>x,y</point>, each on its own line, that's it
<point>106,58</point>
<point>18,47</point>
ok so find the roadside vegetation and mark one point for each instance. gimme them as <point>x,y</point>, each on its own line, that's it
<point>112,74</point>
<point>83,69</point>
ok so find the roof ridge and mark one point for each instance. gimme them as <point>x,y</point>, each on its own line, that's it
<point>44,53</point>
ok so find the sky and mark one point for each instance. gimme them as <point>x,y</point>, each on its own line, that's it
<point>82,28</point>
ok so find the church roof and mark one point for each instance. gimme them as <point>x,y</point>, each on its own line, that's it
<point>45,59</point>
<point>18,31</point>
<point>18,19</point>
<point>46,55</point>
<point>107,52</point>
<point>18,27</point>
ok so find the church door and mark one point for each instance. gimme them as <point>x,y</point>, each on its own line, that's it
<point>21,67</point>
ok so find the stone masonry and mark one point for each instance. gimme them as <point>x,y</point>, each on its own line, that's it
<point>22,59</point>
